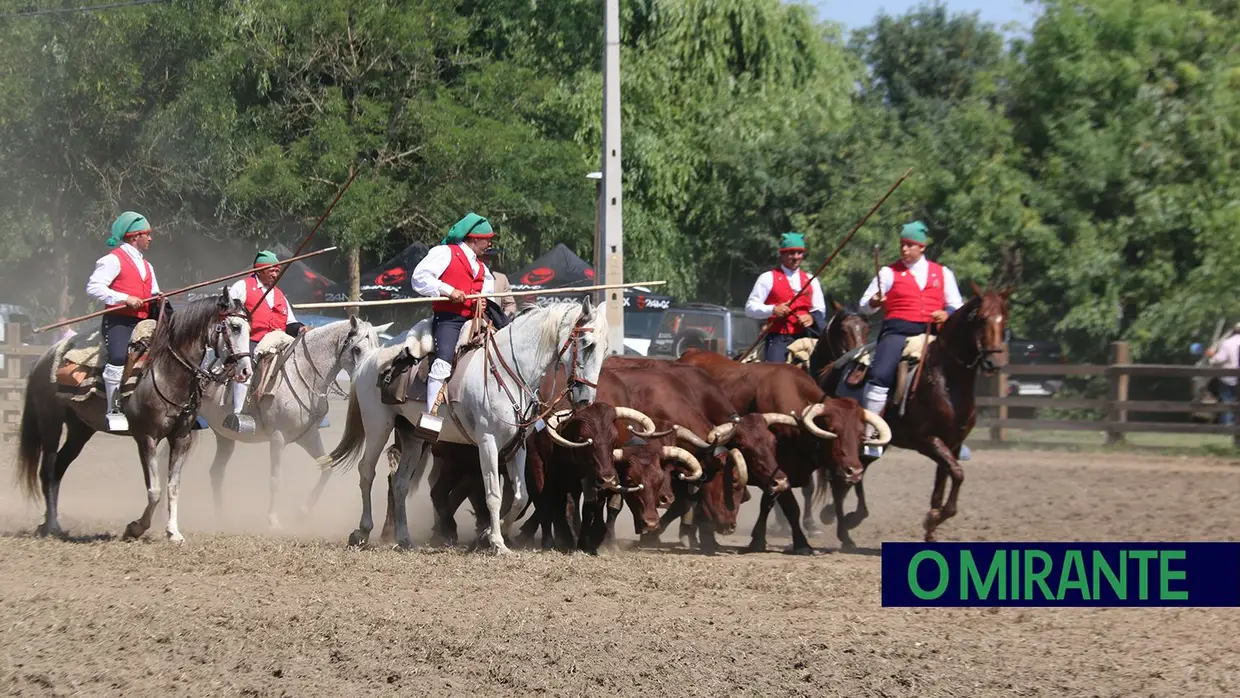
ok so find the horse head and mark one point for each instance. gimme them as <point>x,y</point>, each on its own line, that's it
<point>230,337</point>
<point>847,329</point>
<point>583,346</point>
<point>360,339</point>
<point>974,333</point>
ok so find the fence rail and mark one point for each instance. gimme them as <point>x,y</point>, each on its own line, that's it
<point>1117,406</point>
<point>18,359</point>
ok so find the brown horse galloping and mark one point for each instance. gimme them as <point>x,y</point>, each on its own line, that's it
<point>940,414</point>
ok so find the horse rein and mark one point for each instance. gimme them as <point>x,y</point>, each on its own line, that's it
<point>540,408</point>
<point>201,375</point>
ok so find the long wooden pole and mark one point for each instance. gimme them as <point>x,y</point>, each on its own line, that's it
<point>505,294</point>
<point>179,291</point>
<point>771,323</point>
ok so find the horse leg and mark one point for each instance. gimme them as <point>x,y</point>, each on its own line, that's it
<point>224,448</point>
<point>398,497</point>
<point>312,442</point>
<point>808,524</point>
<point>55,464</point>
<point>839,490</point>
<point>276,449</point>
<point>947,466</point>
<point>443,532</point>
<point>178,449</point>
<point>366,481</point>
<point>488,457</point>
<point>516,479</point>
<point>146,455</point>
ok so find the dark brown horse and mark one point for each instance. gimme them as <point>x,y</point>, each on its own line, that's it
<point>940,413</point>
<point>163,405</point>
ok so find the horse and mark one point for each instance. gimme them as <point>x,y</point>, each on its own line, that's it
<point>491,411</point>
<point>163,405</point>
<point>940,412</point>
<point>295,405</point>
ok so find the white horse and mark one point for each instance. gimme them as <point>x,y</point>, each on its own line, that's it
<point>495,414</point>
<point>297,402</point>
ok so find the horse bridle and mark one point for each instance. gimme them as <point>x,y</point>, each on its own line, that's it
<point>983,354</point>
<point>540,407</point>
<point>201,375</point>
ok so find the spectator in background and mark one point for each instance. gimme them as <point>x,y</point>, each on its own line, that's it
<point>491,257</point>
<point>1227,355</point>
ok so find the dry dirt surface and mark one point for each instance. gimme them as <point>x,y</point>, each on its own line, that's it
<point>240,610</point>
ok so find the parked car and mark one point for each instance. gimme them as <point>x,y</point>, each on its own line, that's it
<point>692,325</point>
<point>1029,352</point>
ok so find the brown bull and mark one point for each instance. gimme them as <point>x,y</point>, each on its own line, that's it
<point>804,448</point>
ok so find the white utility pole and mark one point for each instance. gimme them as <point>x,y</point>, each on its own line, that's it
<point>608,242</point>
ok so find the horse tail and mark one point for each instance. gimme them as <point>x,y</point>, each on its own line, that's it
<point>822,486</point>
<point>29,447</point>
<point>349,450</point>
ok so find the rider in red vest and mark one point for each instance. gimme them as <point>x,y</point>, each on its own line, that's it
<point>269,311</point>
<point>772,300</point>
<point>453,270</point>
<point>913,292</point>
<point>122,280</point>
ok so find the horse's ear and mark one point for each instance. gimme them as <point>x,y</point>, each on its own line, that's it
<point>976,291</point>
<point>836,305</point>
<point>353,322</point>
<point>587,308</point>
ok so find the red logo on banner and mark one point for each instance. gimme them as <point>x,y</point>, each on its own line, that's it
<point>538,277</point>
<point>392,277</point>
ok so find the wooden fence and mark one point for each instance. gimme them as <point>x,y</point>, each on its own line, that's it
<point>1116,406</point>
<point>18,360</point>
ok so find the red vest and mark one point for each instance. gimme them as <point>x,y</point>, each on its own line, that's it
<point>264,318</point>
<point>459,276</point>
<point>907,302</point>
<point>781,292</point>
<point>130,282</point>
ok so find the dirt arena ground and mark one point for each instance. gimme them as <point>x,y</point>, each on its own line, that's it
<point>237,610</point>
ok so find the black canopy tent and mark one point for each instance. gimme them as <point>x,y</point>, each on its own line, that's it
<point>562,268</point>
<point>387,281</point>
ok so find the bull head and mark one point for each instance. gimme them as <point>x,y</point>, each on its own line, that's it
<point>808,415</point>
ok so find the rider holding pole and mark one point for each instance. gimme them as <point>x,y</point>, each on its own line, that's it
<point>452,269</point>
<point>773,297</point>
<point>122,279</point>
<point>913,292</point>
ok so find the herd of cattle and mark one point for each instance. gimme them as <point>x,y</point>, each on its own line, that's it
<point>687,437</point>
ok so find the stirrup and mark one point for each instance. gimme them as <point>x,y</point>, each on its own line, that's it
<point>117,421</point>
<point>239,423</point>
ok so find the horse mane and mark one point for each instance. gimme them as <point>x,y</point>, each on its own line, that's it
<point>849,307</point>
<point>185,326</point>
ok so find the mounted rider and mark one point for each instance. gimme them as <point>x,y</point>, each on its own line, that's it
<point>912,292</point>
<point>123,279</point>
<point>269,311</point>
<point>772,296</point>
<point>453,269</point>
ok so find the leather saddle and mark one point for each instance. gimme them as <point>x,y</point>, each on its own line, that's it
<point>404,369</point>
<point>77,371</point>
<point>857,364</point>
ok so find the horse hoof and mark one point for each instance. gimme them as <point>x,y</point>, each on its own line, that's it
<point>134,531</point>
<point>357,539</point>
<point>756,547</point>
<point>273,523</point>
<point>933,517</point>
<point>847,545</point>
<point>803,550</point>
<point>175,537</point>
<point>404,542</point>
<point>46,531</point>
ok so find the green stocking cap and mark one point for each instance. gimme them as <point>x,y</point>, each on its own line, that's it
<point>472,225</point>
<point>915,232</point>
<point>791,241</point>
<point>128,222</point>
<point>266,257</point>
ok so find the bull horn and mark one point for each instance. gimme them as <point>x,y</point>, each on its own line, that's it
<point>617,454</point>
<point>648,430</point>
<point>807,420</point>
<point>554,422</point>
<point>721,434</point>
<point>680,454</point>
<point>742,470</point>
<point>884,431</point>
<point>773,418</point>
<point>685,434</point>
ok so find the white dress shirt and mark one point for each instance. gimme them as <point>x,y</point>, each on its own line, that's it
<point>920,270</point>
<point>107,268</point>
<point>238,291</point>
<point>425,277</point>
<point>756,306</point>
